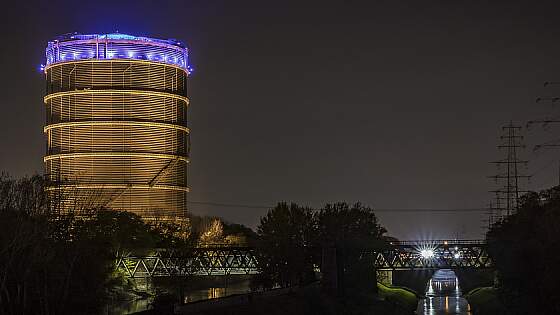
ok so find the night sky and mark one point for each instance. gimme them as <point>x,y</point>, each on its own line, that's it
<point>395,104</point>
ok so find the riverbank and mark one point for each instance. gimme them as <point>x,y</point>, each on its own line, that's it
<point>309,300</point>
<point>404,297</point>
<point>485,301</point>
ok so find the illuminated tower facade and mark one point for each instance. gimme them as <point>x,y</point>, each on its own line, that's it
<point>116,124</point>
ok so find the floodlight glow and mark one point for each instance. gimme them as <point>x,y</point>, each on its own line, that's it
<point>427,253</point>
<point>457,255</point>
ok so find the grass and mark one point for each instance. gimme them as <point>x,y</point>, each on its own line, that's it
<point>485,300</point>
<point>404,297</point>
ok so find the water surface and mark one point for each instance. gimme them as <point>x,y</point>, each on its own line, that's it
<point>443,296</point>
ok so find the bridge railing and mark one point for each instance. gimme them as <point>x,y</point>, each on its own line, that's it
<point>438,242</point>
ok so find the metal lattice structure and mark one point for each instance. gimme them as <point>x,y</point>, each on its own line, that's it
<point>116,124</point>
<point>508,190</point>
<point>410,255</point>
<point>203,261</point>
<point>225,260</point>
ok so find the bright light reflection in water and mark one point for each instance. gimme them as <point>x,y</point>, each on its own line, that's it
<point>430,288</point>
<point>443,295</point>
<point>216,293</point>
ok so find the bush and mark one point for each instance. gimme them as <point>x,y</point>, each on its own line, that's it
<point>525,249</point>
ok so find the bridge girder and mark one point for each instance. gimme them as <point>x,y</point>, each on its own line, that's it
<point>229,260</point>
<point>201,261</point>
<point>458,254</point>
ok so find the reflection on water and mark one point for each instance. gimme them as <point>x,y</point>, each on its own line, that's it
<point>443,296</point>
<point>216,291</point>
<point>126,307</point>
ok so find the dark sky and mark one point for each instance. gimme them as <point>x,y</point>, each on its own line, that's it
<point>397,104</point>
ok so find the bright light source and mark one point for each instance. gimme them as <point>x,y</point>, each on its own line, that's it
<point>457,255</point>
<point>456,248</point>
<point>427,253</point>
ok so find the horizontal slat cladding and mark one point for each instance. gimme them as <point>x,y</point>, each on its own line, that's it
<point>116,106</point>
<point>148,203</point>
<point>116,74</point>
<point>105,170</point>
<point>117,138</point>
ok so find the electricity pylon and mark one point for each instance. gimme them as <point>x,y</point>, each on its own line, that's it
<point>509,174</point>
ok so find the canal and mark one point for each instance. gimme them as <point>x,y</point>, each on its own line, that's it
<point>443,296</point>
<point>207,288</point>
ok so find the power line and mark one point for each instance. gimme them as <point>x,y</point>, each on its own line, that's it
<point>232,205</point>
<point>219,204</point>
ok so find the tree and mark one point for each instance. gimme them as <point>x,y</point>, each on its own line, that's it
<point>214,233</point>
<point>355,233</point>
<point>46,268</point>
<point>64,264</point>
<point>525,249</point>
<point>238,234</point>
<point>284,248</point>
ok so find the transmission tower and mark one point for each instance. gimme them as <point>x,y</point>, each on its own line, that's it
<point>508,176</point>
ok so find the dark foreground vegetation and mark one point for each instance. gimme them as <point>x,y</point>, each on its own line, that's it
<point>293,241</point>
<point>54,264</point>
<point>292,238</point>
<point>64,264</point>
<point>486,300</point>
<point>525,249</point>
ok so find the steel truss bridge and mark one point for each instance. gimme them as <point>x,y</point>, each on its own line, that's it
<point>437,254</point>
<point>212,260</point>
<point>218,260</point>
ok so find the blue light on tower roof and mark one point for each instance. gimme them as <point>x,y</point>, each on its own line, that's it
<point>116,46</point>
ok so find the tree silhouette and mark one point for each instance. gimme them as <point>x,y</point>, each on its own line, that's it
<point>290,239</point>
<point>525,249</point>
<point>284,248</point>
<point>355,233</point>
<point>64,264</point>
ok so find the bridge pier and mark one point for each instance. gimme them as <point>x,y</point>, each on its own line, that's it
<point>385,277</point>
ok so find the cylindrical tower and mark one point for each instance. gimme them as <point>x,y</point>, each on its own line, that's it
<point>116,124</point>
